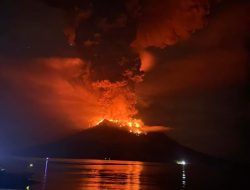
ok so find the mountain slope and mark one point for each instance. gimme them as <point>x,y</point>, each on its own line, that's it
<point>107,141</point>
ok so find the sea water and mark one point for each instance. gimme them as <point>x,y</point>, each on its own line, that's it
<point>90,174</point>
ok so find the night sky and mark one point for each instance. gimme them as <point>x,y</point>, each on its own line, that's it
<point>195,68</point>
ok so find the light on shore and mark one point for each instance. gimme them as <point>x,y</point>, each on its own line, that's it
<point>181,162</point>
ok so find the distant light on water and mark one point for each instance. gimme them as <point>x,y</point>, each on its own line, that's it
<point>183,178</point>
<point>45,173</point>
<point>181,162</point>
<point>46,167</point>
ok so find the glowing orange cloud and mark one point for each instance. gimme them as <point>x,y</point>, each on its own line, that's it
<point>63,87</point>
<point>163,23</point>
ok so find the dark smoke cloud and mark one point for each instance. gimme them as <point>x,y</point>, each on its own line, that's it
<point>217,55</point>
<point>159,23</point>
<point>104,31</point>
<point>201,85</point>
<point>164,23</point>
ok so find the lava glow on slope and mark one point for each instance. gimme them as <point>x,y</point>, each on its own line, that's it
<point>134,126</point>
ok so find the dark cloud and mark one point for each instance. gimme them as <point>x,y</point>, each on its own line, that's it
<point>163,23</point>
<point>104,31</point>
<point>201,85</point>
<point>101,32</point>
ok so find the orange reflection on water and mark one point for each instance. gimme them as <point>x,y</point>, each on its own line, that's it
<point>110,174</point>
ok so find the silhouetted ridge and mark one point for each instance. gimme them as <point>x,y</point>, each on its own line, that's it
<point>109,141</point>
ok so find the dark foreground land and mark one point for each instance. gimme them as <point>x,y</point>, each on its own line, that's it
<point>110,142</point>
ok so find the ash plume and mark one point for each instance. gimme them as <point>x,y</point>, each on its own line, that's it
<point>113,59</point>
<point>164,23</point>
<point>172,63</point>
<point>113,38</point>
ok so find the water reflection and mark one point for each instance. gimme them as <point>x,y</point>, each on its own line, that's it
<point>112,175</point>
<point>65,174</point>
<point>74,174</point>
<point>45,173</point>
<point>183,177</point>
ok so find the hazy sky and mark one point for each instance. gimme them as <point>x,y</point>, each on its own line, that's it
<point>196,84</point>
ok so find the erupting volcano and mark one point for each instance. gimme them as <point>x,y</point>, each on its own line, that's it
<point>92,91</point>
<point>134,126</point>
<point>119,68</point>
<point>117,104</point>
<point>117,141</point>
<point>113,50</point>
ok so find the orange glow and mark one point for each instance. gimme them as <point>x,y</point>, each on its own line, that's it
<point>117,105</point>
<point>147,61</point>
<point>103,169</point>
<point>133,125</point>
<point>63,89</point>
